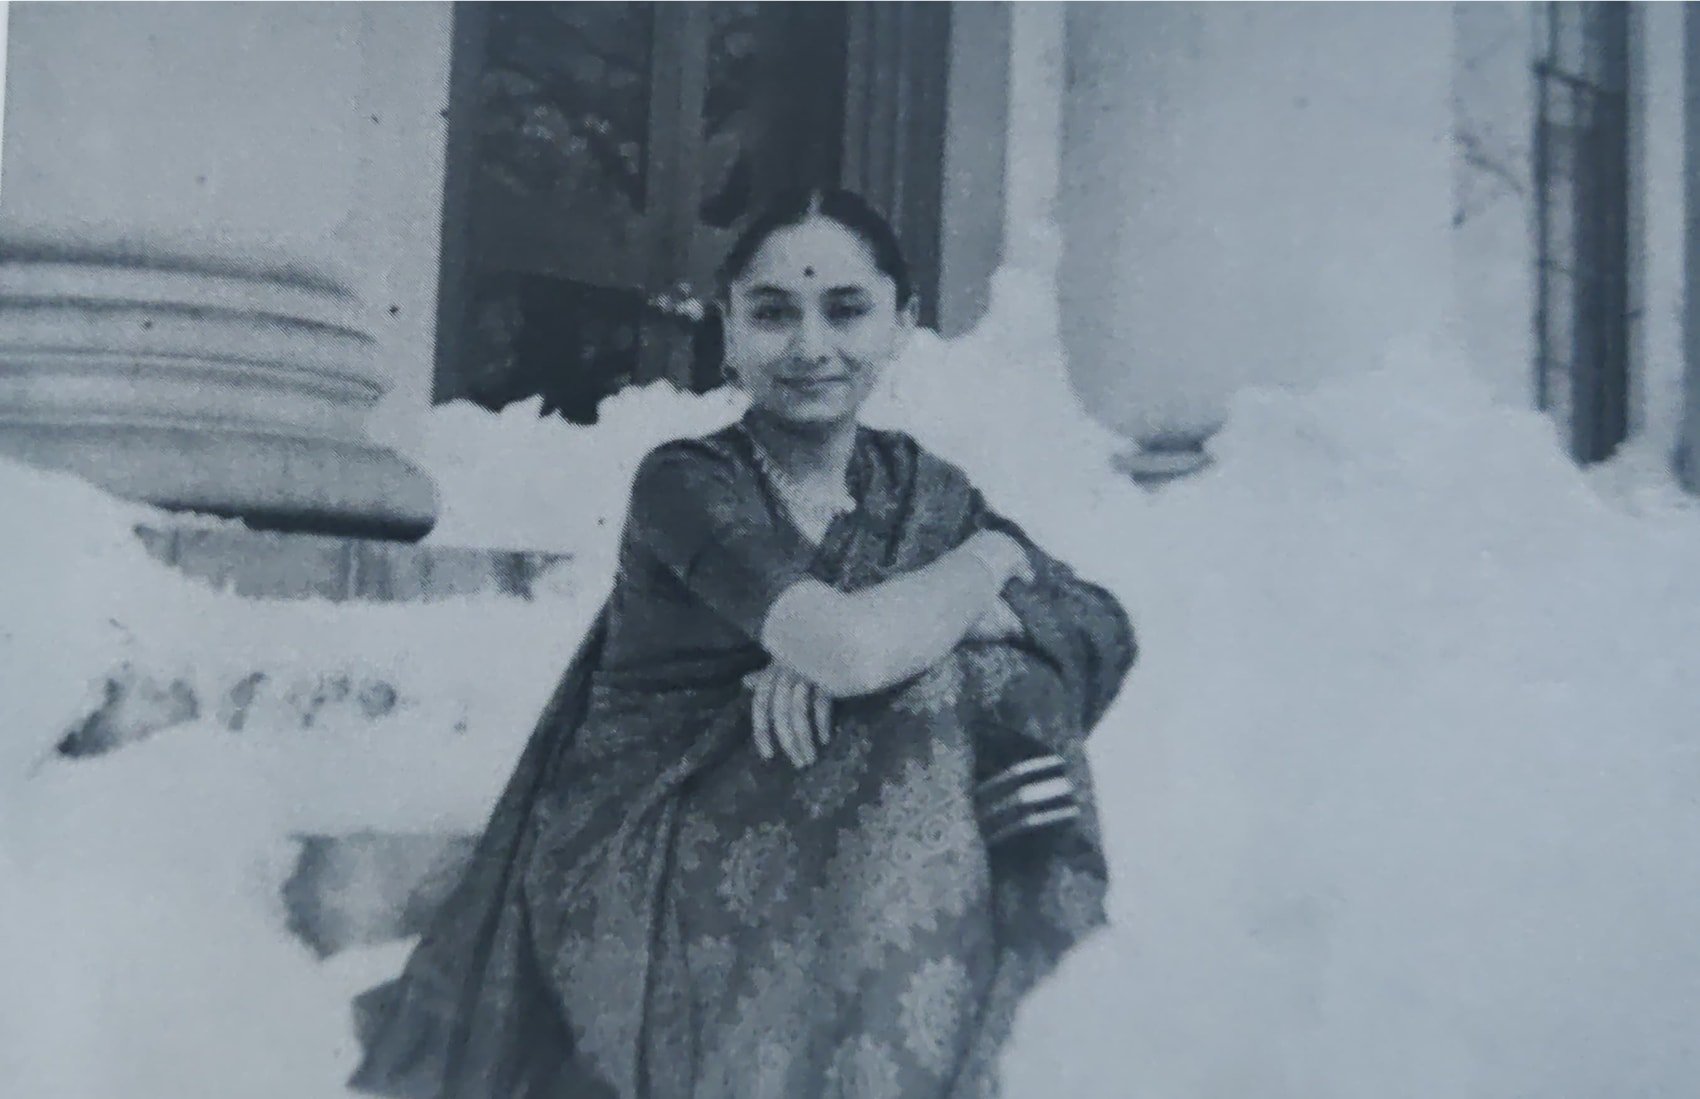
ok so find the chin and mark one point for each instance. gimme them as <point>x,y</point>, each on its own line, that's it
<point>814,413</point>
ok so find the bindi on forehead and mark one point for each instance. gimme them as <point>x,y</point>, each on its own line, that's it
<point>816,249</point>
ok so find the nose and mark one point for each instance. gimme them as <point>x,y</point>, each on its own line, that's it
<point>813,343</point>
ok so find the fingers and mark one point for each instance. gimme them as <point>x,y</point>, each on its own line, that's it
<point>761,713</point>
<point>823,716</point>
<point>788,714</point>
<point>783,734</point>
<point>803,702</point>
<point>791,712</point>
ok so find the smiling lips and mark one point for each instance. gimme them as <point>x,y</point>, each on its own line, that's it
<point>814,383</point>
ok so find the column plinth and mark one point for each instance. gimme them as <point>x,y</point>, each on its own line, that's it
<point>212,269</point>
<point>214,386</point>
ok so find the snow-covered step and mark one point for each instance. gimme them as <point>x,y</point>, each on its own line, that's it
<point>135,703</point>
<point>280,565</point>
<point>367,888</point>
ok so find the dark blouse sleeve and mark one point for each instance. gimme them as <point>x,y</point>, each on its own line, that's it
<point>703,516</point>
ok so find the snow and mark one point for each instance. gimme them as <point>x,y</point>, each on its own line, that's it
<point>1400,799</point>
<point>1403,789</point>
<point>493,470</point>
<point>142,950</point>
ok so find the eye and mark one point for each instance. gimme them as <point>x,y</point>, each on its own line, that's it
<point>845,305</point>
<point>845,312</point>
<point>773,313</point>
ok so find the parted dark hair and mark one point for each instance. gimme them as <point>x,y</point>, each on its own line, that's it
<point>791,208</point>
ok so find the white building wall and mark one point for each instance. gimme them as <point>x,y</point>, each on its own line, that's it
<point>1493,186</point>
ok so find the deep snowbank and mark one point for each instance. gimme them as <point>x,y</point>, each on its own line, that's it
<point>142,942</point>
<point>1403,793</point>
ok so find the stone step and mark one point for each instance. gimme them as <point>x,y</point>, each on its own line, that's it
<point>274,565</point>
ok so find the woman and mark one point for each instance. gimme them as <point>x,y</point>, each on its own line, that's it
<point>742,855</point>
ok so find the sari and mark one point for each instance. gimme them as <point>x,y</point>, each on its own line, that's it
<point>655,912</point>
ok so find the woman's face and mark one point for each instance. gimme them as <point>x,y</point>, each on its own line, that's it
<point>812,324</point>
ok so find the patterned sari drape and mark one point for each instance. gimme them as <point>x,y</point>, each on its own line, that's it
<point>654,912</point>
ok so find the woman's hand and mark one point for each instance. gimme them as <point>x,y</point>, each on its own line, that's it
<point>788,712</point>
<point>999,623</point>
<point>1005,557</point>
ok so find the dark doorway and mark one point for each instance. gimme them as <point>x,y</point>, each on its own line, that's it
<point>600,156</point>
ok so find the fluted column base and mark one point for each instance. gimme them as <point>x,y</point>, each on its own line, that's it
<point>201,386</point>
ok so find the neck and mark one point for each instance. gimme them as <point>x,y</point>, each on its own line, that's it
<point>805,452</point>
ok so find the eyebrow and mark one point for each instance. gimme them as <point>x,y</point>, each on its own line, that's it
<point>767,290</point>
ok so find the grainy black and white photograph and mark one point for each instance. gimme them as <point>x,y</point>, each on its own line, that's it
<point>849,550</point>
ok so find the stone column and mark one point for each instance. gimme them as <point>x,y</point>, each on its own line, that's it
<point>1251,194</point>
<point>188,293</point>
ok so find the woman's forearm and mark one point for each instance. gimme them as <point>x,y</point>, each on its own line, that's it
<point>854,643</point>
